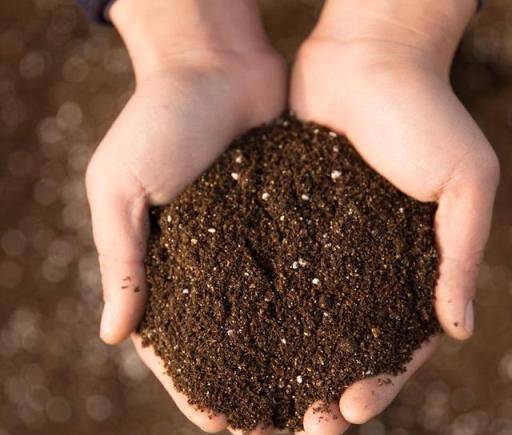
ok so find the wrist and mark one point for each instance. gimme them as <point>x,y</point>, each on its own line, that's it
<point>423,32</point>
<point>161,33</point>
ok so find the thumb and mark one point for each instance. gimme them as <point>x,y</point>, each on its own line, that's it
<point>463,221</point>
<point>120,228</point>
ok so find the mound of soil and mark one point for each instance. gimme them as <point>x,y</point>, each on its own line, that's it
<point>286,272</point>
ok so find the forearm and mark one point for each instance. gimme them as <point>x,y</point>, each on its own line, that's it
<point>159,31</point>
<point>428,28</point>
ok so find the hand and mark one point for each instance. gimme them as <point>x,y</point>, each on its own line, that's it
<point>380,76</point>
<point>192,98</point>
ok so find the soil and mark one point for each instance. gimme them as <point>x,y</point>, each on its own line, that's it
<point>286,272</point>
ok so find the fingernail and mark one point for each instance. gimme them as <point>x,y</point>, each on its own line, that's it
<point>106,321</point>
<point>469,317</point>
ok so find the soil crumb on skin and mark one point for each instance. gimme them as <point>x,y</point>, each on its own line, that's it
<point>289,270</point>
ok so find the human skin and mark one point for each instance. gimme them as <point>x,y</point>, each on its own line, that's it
<point>205,73</point>
<point>376,71</point>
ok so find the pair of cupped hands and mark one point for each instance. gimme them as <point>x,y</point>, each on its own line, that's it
<point>377,72</point>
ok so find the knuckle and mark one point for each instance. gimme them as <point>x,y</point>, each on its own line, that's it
<point>486,171</point>
<point>480,172</point>
<point>491,168</point>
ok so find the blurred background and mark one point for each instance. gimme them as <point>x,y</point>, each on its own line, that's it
<point>62,82</point>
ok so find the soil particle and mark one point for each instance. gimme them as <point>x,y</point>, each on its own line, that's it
<point>288,300</point>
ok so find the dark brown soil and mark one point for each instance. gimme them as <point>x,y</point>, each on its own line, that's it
<point>286,272</point>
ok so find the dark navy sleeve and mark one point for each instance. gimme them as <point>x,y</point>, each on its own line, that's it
<point>94,9</point>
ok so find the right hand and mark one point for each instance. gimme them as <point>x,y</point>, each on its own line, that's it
<point>179,119</point>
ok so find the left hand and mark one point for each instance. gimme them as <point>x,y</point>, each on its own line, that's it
<point>387,89</point>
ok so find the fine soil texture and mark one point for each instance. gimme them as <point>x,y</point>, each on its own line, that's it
<point>289,270</point>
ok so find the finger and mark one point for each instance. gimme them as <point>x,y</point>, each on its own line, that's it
<point>261,429</point>
<point>463,222</point>
<point>322,419</point>
<point>369,397</point>
<point>206,420</point>
<point>120,227</point>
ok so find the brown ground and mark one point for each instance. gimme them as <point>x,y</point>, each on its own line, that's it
<point>61,85</point>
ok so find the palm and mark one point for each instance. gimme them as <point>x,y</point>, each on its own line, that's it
<point>408,125</point>
<point>171,130</point>
<point>176,125</point>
